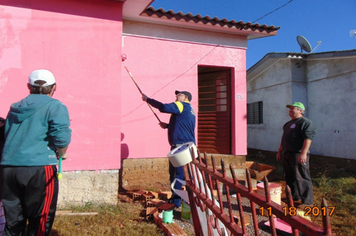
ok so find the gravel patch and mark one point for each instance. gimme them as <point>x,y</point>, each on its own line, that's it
<point>187,226</point>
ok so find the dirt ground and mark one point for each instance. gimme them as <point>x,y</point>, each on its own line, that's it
<point>320,164</point>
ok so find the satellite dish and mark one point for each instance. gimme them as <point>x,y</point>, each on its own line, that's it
<point>304,44</point>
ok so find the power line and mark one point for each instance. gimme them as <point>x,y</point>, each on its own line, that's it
<point>273,11</point>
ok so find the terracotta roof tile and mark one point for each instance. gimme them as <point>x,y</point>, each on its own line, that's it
<point>207,20</point>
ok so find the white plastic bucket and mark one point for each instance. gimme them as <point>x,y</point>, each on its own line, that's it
<point>180,155</point>
<point>275,191</point>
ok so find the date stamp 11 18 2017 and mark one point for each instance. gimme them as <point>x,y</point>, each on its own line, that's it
<point>308,211</point>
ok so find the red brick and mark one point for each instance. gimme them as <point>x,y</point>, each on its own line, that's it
<point>166,207</point>
<point>165,195</point>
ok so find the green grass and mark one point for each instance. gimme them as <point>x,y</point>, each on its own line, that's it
<point>341,194</point>
<point>121,219</point>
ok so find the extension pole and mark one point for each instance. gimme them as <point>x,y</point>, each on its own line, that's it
<point>140,90</point>
<point>133,80</point>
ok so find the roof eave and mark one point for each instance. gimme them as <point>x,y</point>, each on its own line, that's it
<point>132,11</point>
<point>250,33</point>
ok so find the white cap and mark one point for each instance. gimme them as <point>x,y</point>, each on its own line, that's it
<point>41,74</point>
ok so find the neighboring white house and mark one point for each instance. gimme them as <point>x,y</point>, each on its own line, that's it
<point>326,84</point>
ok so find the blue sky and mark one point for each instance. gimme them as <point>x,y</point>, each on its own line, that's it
<point>328,21</point>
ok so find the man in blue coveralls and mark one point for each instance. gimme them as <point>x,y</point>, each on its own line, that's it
<point>181,129</point>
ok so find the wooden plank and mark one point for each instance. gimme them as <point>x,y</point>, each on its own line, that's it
<point>171,229</point>
<point>63,213</point>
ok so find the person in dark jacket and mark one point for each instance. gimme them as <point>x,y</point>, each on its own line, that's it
<point>298,134</point>
<point>181,129</point>
<point>36,133</point>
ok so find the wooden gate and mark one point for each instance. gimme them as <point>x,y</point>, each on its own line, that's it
<point>211,217</point>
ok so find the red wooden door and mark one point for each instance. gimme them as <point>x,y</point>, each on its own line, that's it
<point>214,114</point>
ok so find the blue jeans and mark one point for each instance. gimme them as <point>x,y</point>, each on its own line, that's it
<point>175,173</point>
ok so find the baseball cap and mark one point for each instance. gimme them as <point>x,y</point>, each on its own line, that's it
<point>297,104</point>
<point>41,74</point>
<point>186,93</point>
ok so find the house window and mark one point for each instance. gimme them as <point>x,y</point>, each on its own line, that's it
<point>255,113</point>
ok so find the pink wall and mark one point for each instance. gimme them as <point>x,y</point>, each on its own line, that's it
<point>160,67</point>
<point>80,42</point>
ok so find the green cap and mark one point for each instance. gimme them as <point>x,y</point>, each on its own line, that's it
<point>297,104</point>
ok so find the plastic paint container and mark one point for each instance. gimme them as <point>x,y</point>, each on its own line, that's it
<point>181,155</point>
<point>275,191</point>
<point>167,217</point>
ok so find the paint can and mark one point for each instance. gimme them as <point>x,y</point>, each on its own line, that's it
<point>167,217</point>
<point>275,191</point>
<point>181,155</point>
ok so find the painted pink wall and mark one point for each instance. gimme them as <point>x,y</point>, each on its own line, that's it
<point>80,42</point>
<point>159,68</point>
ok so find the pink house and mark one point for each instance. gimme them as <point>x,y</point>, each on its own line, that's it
<point>82,43</point>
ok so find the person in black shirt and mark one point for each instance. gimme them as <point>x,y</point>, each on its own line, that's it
<point>297,137</point>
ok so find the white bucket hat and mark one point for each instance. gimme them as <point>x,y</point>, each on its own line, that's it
<point>41,74</point>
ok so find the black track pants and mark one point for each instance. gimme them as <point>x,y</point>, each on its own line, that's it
<point>298,177</point>
<point>29,194</point>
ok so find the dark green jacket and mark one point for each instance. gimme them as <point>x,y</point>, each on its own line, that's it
<point>295,132</point>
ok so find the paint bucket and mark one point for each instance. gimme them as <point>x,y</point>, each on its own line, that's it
<point>180,155</point>
<point>275,191</point>
<point>167,217</point>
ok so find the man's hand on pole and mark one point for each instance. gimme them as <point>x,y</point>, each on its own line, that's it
<point>163,125</point>
<point>62,152</point>
<point>144,97</point>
